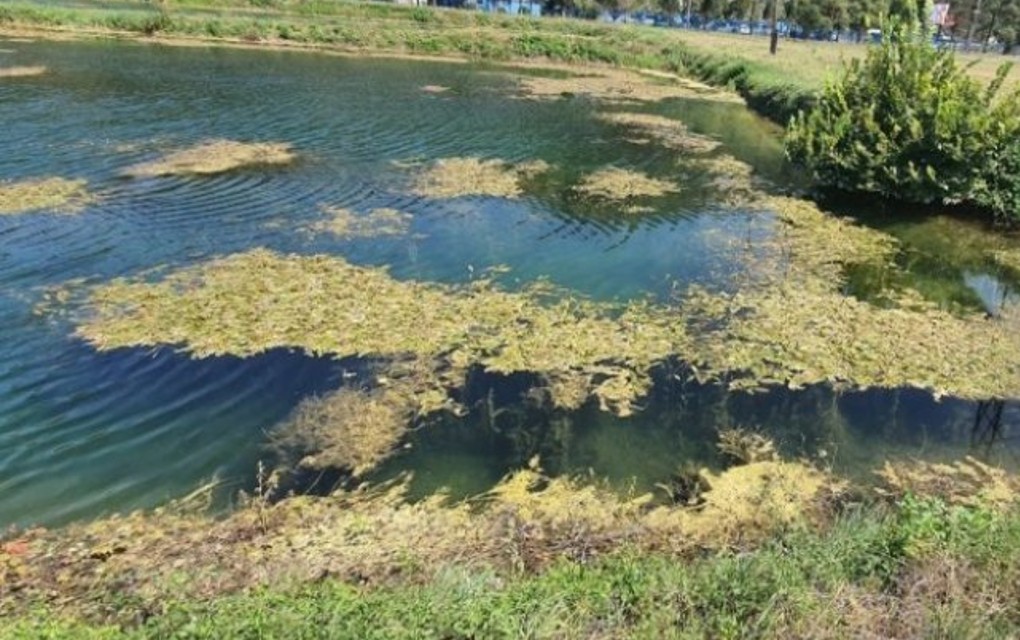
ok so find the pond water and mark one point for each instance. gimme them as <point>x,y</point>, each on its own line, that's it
<point>84,433</point>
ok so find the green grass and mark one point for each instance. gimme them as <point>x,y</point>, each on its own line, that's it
<point>921,569</point>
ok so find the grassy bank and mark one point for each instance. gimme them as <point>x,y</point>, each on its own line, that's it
<point>919,569</point>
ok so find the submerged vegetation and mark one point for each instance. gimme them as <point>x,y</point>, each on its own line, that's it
<point>454,177</point>
<point>215,156</point>
<point>344,223</point>
<point>55,194</point>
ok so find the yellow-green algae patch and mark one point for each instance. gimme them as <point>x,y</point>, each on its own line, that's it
<point>215,156</point>
<point>56,194</point>
<point>967,482</point>
<point>616,184</point>
<point>788,322</point>
<point>347,429</point>
<point>619,86</point>
<point>345,223</point>
<point>734,179</point>
<point>252,302</point>
<point>22,72</point>
<point>527,522</point>
<point>795,326</point>
<point>453,177</point>
<point>669,133</point>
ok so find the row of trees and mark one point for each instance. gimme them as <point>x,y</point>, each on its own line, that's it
<point>985,21</point>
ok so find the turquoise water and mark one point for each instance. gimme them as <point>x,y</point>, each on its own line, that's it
<point>85,433</point>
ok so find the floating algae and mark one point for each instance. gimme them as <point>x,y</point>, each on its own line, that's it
<point>735,180</point>
<point>215,156</point>
<point>527,522</point>
<point>671,134</point>
<point>344,223</point>
<point>453,177</point>
<point>21,72</point>
<point>56,194</point>
<point>252,302</point>
<point>968,481</point>
<point>797,327</point>
<point>617,184</point>
<point>619,86</point>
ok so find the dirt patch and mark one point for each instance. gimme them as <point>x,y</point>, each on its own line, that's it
<point>215,156</point>
<point>454,177</point>
<point>55,194</point>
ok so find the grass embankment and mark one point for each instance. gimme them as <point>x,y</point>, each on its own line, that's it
<point>558,562</point>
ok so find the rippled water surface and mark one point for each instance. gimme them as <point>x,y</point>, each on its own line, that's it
<point>84,433</point>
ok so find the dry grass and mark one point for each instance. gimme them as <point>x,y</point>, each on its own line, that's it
<point>620,86</point>
<point>812,63</point>
<point>21,72</point>
<point>344,223</point>
<point>56,194</point>
<point>454,177</point>
<point>215,156</point>
<point>618,185</point>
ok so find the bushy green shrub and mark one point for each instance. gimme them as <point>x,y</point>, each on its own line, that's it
<point>910,124</point>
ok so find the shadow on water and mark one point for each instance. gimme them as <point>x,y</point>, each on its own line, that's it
<point>947,253</point>
<point>850,432</point>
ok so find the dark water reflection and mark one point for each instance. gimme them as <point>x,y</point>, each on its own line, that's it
<point>83,433</point>
<point>850,432</point>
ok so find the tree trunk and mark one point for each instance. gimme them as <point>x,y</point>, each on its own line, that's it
<point>974,17</point>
